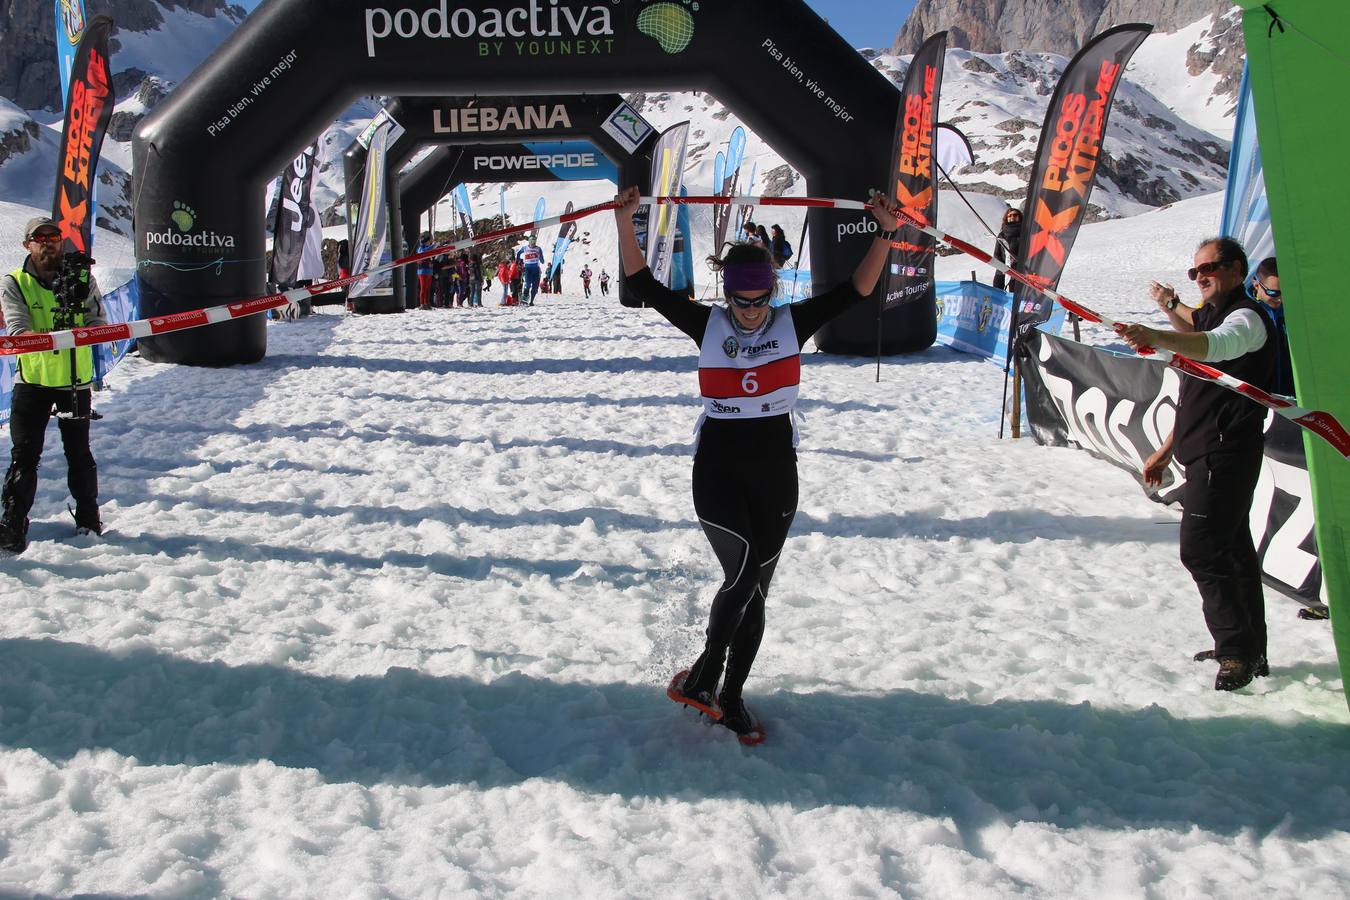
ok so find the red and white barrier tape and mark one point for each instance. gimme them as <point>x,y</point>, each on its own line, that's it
<point>1321,423</point>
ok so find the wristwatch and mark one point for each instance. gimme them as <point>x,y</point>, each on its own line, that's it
<point>1172,303</point>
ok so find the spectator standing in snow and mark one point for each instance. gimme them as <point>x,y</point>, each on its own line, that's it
<point>517,275</point>
<point>504,276</point>
<point>1005,245</point>
<point>476,280</point>
<point>44,384</point>
<point>780,248</point>
<point>1265,288</point>
<point>1219,437</point>
<point>425,272</point>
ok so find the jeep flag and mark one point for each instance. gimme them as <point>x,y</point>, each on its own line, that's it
<point>908,274</point>
<point>1066,162</point>
<point>294,216</point>
<point>667,176</point>
<point>89,107</point>
<point>369,237</point>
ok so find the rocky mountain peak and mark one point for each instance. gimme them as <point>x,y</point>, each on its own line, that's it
<point>28,40</point>
<point>1052,26</point>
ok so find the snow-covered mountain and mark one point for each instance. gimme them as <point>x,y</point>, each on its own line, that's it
<point>1163,143</point>
<point>1202,58</point>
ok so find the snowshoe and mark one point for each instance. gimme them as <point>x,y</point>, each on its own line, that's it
<point>703,701</point>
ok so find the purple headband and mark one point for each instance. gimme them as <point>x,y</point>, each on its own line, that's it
<point>747,276</point>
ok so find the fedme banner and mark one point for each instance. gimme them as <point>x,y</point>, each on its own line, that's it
<point>974,318</point>
<point>1121,408</point>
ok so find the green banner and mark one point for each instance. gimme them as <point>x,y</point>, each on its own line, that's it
<point>1299,59</point>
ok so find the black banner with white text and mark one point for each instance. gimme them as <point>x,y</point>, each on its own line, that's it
<point>1121,409</point>
<point>908,274</point>
<point>294,216</point>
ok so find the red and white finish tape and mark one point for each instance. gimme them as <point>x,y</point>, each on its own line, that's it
<point>1321,423</point>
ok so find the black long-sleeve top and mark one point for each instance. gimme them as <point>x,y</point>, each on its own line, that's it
<point>726,439</point>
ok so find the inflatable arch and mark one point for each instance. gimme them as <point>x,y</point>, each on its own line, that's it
<point>201,158</point>
<point>509,120</point>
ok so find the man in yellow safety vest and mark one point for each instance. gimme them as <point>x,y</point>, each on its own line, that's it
<point>47,382</point>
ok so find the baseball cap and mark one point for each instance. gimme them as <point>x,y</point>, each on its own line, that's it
<point>35,223</point>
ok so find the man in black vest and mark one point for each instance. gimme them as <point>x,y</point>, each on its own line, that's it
<point>1218,438</point>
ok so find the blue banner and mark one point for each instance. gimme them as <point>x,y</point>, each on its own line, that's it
<point>1246,213</point>
<point>121,305</point>
<point>682,264</point>
<point>974,318</point>
<point>70,22</point>
<point>574,160</point>
<point>793,285</point>
<point>539,209</point>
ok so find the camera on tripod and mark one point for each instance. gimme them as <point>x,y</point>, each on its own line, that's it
<point>71,290</point>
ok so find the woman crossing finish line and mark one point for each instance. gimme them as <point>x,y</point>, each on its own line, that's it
<point>745,464</point>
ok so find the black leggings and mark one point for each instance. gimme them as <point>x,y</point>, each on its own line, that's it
<point>746,508</point>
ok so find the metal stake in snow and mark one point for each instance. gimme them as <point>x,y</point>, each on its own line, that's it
<point>1321,423</point>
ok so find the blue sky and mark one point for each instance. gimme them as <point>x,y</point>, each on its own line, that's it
<point>863,23</point>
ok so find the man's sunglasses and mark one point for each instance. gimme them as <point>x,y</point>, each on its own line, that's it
<point>1274,295</point>
<point>1206,268</point>
<point>748,302</point>
<point>46,238</point>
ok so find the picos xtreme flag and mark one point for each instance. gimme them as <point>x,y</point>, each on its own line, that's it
<point>89,107</point>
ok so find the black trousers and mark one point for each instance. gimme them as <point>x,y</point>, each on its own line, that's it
<point>1217,549</point>
<point>746,508</point>
<point>30,410</point>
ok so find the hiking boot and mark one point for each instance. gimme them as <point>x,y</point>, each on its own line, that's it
<point>1260,667</point>
<point>87,520</point>
<point>13,538</point>
<point>1234,672</point>
<point>703,701</point>
<point>738,717</point>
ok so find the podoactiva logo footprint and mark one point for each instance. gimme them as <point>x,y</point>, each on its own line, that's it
<point>183,232</point>
<point>669,23</point>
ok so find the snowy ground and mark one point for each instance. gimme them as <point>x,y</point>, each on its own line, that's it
<point>391,613</point>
